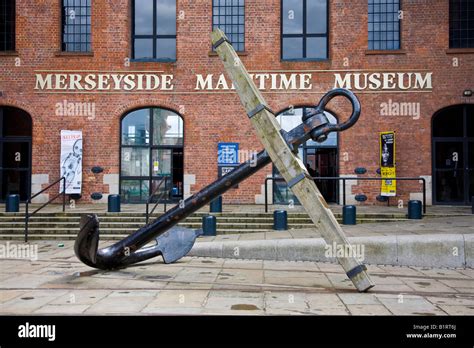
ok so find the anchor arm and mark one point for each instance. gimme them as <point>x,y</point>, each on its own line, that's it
<point>128,250</point>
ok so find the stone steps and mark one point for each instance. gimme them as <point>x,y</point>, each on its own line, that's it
<point>126,215</point>
<point>118,225</point>
<point>294,223</point>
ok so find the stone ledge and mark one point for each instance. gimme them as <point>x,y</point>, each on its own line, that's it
<point>439,250</point>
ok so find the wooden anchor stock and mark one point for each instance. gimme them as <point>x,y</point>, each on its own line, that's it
<point>288,164</point>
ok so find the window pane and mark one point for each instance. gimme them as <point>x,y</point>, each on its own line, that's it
<point>161,164</point>
<point>470,123</point>
<point>292,16</point>
<point>461,24</point>
<point>143,49</point>
<point>316,47</point>
<point>135,161</point>
<point>143,17</point>
<point>167,128</point>
<point>229,17</point>
<point>449,123</point>
<point>450,186</point>
<point>384,25</point>
<point>166,49</point>
<point>292,48</point>
<point>160,193</point>
<point>76,26</point>
<point>471,157</point>
<point>135,128</point>
<point>10,151</point>
<point>316,16</point>
<point>7,25</point>
<point>16,122</point>
<point>290,119</point>
<point>131,191</point>
<point>165,17</point>
<point>449,155</point>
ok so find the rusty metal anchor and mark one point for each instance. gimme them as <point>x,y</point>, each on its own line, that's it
<point>174,242</point>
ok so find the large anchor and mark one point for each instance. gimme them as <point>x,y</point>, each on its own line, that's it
<point>174,242</point>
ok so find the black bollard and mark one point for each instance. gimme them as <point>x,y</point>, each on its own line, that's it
<point>209,225</point>
<point>415,210</point>
<point>12,204</point>
<point>216,205</point>
<point>349,215</point>
<point>114,204</point>
<point>280,220</point>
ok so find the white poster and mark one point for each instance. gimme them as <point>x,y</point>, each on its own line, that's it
<point>71,161</point>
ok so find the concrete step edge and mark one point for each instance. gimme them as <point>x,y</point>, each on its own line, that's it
<point>435,250</point>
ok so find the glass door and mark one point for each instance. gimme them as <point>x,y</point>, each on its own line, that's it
<point>322,162</point>
<point>15,168</point>
<point>151,151</point>
<point>449,171</point>
<point>453,155</point>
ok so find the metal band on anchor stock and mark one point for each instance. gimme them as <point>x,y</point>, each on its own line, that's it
<point>296,180</point>
<point>356,270</point>
<point>257,110</point>
<point>220,42</point>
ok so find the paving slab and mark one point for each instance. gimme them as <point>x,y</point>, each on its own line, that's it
<point>117,303</point>
<point>218,286</point>
<point>458,310</point>
<point>409,305</point>
<point>368,310</point>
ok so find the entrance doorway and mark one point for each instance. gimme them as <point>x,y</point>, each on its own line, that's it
<point>151,150</point>
<point>15,153</point>
<point>453,155</point>
<point>321,160</point>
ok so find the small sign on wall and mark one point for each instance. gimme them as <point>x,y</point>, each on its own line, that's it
<point>71,161</point>
<point>227,158</point>
<point>388,164</point>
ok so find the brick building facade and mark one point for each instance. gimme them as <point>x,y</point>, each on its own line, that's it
<point>424,67</point>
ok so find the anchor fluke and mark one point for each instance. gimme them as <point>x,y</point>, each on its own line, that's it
<point>172,245</point>
<point>176,243</point>
<point>87,241</point>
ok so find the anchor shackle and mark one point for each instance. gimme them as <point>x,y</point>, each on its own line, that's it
<point>320,133</point>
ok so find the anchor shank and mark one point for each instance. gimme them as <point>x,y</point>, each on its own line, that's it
<point>116,254</point>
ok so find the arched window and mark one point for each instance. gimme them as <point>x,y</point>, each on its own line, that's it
<point>151,150</point>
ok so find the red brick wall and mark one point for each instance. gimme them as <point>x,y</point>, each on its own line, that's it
<point>214,118</point>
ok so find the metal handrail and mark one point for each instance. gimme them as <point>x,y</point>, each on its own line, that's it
<point>148,213</point>
<point>344,179</point>
<point>28,202</point>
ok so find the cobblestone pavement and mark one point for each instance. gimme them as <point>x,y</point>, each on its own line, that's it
<point>57,283</point>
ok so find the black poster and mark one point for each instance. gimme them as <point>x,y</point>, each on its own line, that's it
<point>387,149</point>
